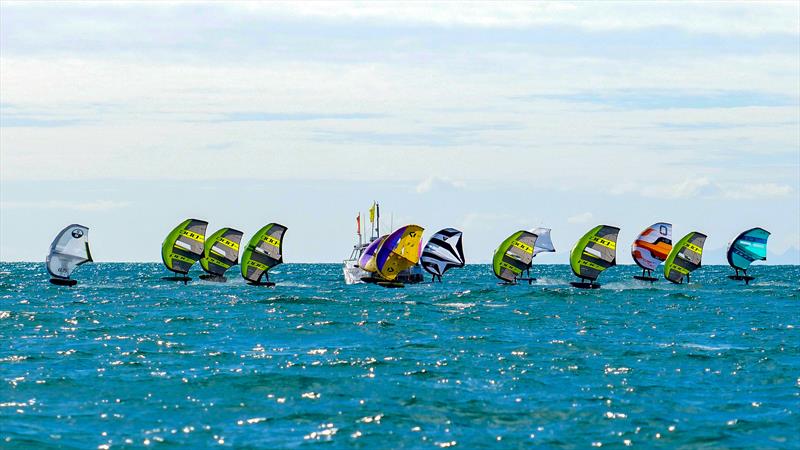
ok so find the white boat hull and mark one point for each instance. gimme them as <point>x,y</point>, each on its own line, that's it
<point>352,273</point>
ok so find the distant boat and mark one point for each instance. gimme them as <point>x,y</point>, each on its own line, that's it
<point>444,251</point>
<point>685,257</point>
<point>651,249</point>
<point>595,252</point>
<point>543,241</point>
<point>749,246</point>
<point>69,250</point>
<point>220,253</point>
<point>353,267</point>
<point>183,247</point>
<point>362,254</point>
<point>513,256</point>
<point>263,252</point>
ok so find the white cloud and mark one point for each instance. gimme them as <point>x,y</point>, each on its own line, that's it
<point>432,182</point>
<point>489,220</point>
<point>721,18</point>
<point>704,187</point>
<point>154,114</point>
<point>760,190</point>
<point>624,188</point>
<point>97,205</point>
<point>689,187</point>
<point>581,218</point>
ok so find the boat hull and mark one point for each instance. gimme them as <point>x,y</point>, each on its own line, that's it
<point>352,273</point>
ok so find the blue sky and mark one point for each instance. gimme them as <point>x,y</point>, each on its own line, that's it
<point>487,117</point>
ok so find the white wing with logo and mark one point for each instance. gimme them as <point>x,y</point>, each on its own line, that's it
<point>69,249</point>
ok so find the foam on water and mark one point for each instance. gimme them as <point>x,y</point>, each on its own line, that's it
<point>126,360</point>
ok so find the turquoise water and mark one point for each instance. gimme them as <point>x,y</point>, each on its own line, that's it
<point>125,360</point>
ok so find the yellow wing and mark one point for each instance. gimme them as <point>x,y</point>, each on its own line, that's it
<point>404,255</point>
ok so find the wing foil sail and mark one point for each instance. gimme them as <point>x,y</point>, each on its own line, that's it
<point>184,245</point>
<point>543,241</point>
<point>221,251</point>
<point>263,252</point>
<point>444,251</point>
<point>652,246</point>
<point>514,256</point>
<point>686,257</point>
<point>367,259</point>
<point>69,250</point>
<point>399,251</point>
<point>595,252</point>
<point>749,246</point>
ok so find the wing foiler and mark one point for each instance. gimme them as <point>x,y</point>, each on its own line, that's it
<point>749,246</point>
<point>220,253</point>
<point>183,247</point>
<point>444,251</point>
<point>398,252</point>
<point>685,257</point>
<point>263,252</point>
<point>651,249</point>
<point>595,252</point>
<point>514,256</point>
<point>69,250</point>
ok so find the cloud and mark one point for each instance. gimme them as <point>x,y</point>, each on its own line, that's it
<point>97,205</point>
<point>689,187</point>
<point>718,18</point>
<point>581,218</point>
<point>703,187</point>
<point>651,99</point>
<point>434,182</point>
<point>434,99</point>
<point>285,117</point>
<point>759,190</point>
<point>11,121</point>
<point>721,18</point>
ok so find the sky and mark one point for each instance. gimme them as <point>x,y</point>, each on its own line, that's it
<point>487,117</point>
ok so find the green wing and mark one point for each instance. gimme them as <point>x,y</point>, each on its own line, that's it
<point>263,252</point>
<point>184,245</point>
<point>595,252</point>
<point>514,255</point>
<point>685,257</point>
<point>577,250</point>
<point>210,243</point>
<point>221,251</point>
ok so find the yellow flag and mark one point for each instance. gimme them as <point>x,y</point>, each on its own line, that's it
<point>372,213</point>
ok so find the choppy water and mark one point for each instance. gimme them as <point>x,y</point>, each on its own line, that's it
<point>126,360</point>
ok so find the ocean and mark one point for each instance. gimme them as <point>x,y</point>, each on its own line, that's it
<point>126,360</point>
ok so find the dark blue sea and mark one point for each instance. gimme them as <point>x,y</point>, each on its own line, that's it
<point>126,360</point>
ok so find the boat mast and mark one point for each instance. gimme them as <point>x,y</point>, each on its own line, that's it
<point>359,230</point>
